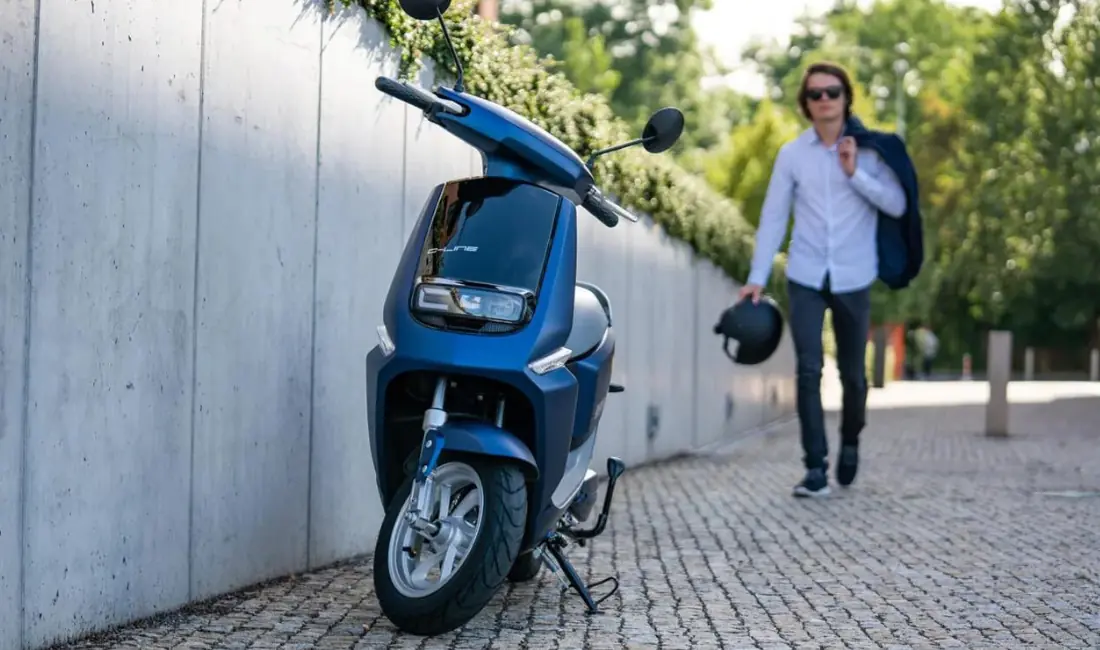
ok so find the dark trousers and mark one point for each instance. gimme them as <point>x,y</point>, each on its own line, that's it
<point>851,323</point>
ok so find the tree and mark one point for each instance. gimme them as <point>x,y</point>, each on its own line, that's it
<point>586,61</point>
<point>1030,233</point>
<point>741,168</point>
<point>642,54</point>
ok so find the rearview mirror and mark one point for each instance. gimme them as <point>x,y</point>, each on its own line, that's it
<point>425,9</point>
<point>662,130</point>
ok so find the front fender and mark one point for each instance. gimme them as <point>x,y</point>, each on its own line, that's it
<point>484,439</point>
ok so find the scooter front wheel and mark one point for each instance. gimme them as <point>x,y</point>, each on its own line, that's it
<point>432,583</point>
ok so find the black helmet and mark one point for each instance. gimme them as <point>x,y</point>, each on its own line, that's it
<point>757,329</point>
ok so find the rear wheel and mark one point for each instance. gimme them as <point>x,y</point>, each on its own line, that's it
<point>527,567</point>
<point>430,585</point>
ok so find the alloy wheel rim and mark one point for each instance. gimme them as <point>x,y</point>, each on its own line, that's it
<point>457,506</point>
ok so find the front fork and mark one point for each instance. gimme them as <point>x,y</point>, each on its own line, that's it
<point>419,514</point>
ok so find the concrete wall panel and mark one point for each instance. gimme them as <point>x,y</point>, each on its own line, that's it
<point>255,281</point>
<point>661,284</point>
<point>678,420</point>
<point>359,243</point>
<point>110,351</point>
<point>686,331</point>
<point>714,371</point>
<point>604,261</point>
<point>17,46</point>
<point>476,163</point>
<point>637,331</point>
<point>589,248</point>
<point>731,399</point>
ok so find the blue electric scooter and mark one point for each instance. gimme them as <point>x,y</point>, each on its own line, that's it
<point>486,388</point>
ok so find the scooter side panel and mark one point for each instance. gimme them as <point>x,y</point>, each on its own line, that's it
<point>593,375</point>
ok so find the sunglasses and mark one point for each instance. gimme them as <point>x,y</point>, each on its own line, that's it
<point>832,92</point>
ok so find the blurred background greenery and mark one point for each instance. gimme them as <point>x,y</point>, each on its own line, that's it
<point>997,108</point>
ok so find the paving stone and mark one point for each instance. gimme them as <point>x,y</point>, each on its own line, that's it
<point>945,541</point>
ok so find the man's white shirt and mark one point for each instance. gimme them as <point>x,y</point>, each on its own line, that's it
<point>835,216</point>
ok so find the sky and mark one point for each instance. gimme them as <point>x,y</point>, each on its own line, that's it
<point>732,24</point>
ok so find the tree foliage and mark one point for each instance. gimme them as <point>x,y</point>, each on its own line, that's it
<point>742,165</point>
<point>1027,230</point>
<point>641,54</point>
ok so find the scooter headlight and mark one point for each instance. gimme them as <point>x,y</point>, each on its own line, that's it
<point>468,302</point>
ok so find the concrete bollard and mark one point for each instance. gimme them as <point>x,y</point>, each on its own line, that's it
<point>966,374</point>
<point>999,371</point>
<point>1029,364</point>
<point>1094,365</point>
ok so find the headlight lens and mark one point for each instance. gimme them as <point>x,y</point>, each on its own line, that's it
<point>471,303</point>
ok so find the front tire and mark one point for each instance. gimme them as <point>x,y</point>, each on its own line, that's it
<point>444,582</point>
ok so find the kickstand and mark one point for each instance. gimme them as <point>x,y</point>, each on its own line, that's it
<point>555,546</point>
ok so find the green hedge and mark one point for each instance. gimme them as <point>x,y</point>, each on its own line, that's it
<point>514,76</point>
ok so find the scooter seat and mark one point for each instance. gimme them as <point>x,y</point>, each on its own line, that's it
<point>591,318</point>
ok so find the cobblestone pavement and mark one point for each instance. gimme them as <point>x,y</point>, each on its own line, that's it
<point>947,540</point>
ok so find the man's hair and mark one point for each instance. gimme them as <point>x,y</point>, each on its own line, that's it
<point>834,69</point>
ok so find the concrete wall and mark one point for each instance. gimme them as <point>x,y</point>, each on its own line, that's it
<point>201,207</point>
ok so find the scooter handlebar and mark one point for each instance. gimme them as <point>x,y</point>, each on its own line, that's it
<point>607,211</point>
<point>604,209</point>
<point>416,97</point>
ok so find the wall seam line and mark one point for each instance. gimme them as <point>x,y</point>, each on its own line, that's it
<point>195,311</point>
<point>696,348</point>
<point>631,241</point>
<point>28,286</point>
<point>313,302</point>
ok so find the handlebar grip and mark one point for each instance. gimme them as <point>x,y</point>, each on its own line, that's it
<point>416,97</point>
<point>405,92</point>
<point>602,211</point>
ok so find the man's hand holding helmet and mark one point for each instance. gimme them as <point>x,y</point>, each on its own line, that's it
<point>753,290</point>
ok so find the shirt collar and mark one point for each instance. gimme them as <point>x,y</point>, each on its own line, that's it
<point>814,138</point>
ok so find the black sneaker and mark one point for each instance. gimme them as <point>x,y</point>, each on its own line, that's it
<point>847,465</point>
<point>816,484</point>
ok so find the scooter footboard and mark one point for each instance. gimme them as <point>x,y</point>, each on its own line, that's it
<point>484,439</point>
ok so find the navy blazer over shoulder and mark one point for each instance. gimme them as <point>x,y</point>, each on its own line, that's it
<point>900,241</point>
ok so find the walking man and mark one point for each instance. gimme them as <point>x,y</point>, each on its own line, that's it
<point>837,191</point>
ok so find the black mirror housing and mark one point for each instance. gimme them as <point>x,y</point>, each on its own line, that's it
<point>425,9</point>
<point>662,130</point>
